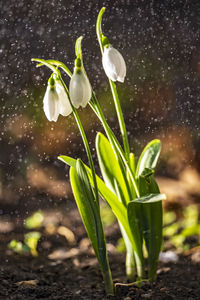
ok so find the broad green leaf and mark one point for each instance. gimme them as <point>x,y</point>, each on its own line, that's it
<point>134,219</point>
<point>88,209</point>
<point>111,171</point>
<point>149,157</point>
<point>117,207</point>
<point>71,162</point>
<point>149,209</point>
<point>156,235</point>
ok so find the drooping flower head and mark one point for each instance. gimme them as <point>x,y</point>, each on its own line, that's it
<point>113,63</point>
<point>79,88</point>
<point>50,101</point>
<point>56,101</point>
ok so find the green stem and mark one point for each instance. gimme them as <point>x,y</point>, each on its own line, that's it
<point>106,272</point>
<point>87,148</point>
<point>120,119</point>
<point>130,258</point>
<point>98,27</point>
<point>130,265</point>
<point>108,282</point>
<point>114,90</point>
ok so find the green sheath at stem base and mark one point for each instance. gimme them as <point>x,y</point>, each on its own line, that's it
<point>108,282</point>
<point>130,266</point>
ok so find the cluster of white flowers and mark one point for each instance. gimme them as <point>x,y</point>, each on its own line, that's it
<point>56,100</point>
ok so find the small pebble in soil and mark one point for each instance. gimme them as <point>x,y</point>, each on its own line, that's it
<point>168,256</point>
<point>146,296</point>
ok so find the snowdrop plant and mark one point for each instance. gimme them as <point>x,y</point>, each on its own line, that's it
<point>128,187</point>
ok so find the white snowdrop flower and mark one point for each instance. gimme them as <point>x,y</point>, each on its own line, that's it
<point>79,88</point>
<point>113,64</point>
<point>64,105</point>
<point>56,101</point>
<point>50,103</point>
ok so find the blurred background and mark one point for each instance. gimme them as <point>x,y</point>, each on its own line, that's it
<point>160,41</point>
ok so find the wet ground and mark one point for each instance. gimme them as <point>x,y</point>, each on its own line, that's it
<point>66,267</point>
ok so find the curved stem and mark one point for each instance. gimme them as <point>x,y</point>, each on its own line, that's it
<point>84,138</point>
<point>98,27</point>
<point>114,90</point>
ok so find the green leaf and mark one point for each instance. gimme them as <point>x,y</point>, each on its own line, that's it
<point>90,214</point>
<point>117,207</point>
<point>151,198</point>
<point>132,162</point>
<point>147,172</point>
<point>134,219</point>
<point>111,171</point>
<point>148,213</point>
<point>149,157</point>
<point>88,209</point>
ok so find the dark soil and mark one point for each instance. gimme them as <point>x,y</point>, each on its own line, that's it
<point>70,271</point>
<point>41,278</point>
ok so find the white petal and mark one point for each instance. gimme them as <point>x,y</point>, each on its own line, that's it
<point>108,66</point>
<point>114,64</point>
<point>63,101</point>
<point>79,90</point>
<point>75,90</point>
<point>50,104</point>
<point>87,91</point>
<point>122,72</point>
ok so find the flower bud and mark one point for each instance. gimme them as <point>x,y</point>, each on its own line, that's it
<point>79,88</point>
<point>113,64</point>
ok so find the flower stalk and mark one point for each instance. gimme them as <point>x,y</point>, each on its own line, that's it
<point>101,39</point>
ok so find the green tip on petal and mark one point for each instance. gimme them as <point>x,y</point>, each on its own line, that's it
<point>51,81</point>
<point>77,63</point>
